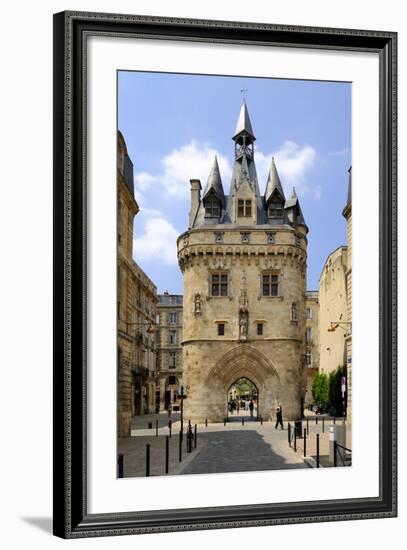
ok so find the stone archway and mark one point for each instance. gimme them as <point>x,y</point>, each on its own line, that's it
<point>242,361</point>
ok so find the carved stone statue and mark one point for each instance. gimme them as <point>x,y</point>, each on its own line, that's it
<point>197,303</point>
<point>243,326</point>
<point>294,312</point>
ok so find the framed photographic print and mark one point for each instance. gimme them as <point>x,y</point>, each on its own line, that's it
<point>225,252</point>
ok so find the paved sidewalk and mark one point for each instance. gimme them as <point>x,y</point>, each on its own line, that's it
<point>231,448</point>
<point>321,428</point>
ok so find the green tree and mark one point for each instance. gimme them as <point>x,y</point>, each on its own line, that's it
<point>320,390</point>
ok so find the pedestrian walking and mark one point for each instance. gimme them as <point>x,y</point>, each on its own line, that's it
<point>251,407</point>
<point>279,416</point>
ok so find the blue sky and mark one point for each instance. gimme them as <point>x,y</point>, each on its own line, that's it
<point>174,125</point>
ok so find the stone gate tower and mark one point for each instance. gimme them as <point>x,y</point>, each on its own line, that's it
<point>244,264</point>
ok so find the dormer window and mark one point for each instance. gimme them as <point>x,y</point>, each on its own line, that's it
<point>244,208</point>
<point>275,208</point>
<point>212,207</point>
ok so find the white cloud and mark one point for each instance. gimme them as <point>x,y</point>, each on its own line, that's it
<point>187,162</point>
<point>293,162</point>
<point>157,242</point>
<point>194,160</point>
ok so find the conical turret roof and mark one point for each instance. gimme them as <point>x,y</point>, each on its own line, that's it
<point>215,182</point>
<point>273,183</point>
<point>243,122</point>
<point>293,202</point>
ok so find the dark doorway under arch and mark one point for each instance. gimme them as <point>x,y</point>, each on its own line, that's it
<point>242,401</point>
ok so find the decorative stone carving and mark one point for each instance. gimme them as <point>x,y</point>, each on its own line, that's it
<point>197,303</point>
<point>243,325</point>
<point>243,299</point>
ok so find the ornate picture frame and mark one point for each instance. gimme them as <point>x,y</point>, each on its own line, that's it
<point>71,516</point>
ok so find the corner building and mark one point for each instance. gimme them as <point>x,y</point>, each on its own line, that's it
<point>244,264</point>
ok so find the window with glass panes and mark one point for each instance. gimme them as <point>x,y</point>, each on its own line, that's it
<point>171,360</point>
<point>219,284</point>
<point>212,207</point>
<point>244,208</point>
<point>270,284</point>
<point>308,358</point>
<point>173,318</point>
<point>172,337</point>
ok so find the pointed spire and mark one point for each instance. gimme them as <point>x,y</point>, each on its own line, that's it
<point>273,183</point>
<point>243,123</point>
<point>292,201</point>
<point>294,211</point>
<point>215,182</point>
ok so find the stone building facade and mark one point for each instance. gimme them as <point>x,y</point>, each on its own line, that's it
<point>169,350</point>
<point>243,259</point>
<point>333,304</point>
<point>311,341</point>
<point>136,309</point>
<point>347,213</point>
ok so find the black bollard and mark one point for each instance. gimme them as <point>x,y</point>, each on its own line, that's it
<point>195,434</point>
<point>148,460</point>
<point>120,465</point>
<point>167,453</point>
<point>156,428</point>
<point>317,450</point>
<point>295,440</point>
<point>335,459</point>
<point>305,442</point>
<point>206,422</point>
<point>261,420</point>
<point>289,434</point>
<point>180,447</point>
<point>242,420</point>
<point>170,427</point>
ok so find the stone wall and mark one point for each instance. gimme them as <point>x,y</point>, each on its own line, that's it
<point>274,360</point>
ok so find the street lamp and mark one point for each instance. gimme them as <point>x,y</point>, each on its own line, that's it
<point>338,324</point>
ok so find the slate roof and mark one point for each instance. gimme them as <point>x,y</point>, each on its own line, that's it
<point>273,183</point>
<point>243,122</point>
<point>215,183</point>
<point>244,169</point>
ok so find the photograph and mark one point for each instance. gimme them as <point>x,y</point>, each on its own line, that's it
<point>234,274</point>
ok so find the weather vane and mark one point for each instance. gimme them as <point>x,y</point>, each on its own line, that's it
<point>243,91</point>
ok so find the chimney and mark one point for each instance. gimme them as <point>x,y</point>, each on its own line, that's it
<point>195,200</point>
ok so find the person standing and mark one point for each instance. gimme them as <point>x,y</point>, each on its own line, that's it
<point>251,407</point>
<point>279,416</point>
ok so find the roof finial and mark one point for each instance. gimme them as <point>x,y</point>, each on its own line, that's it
<point>243,91</point>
